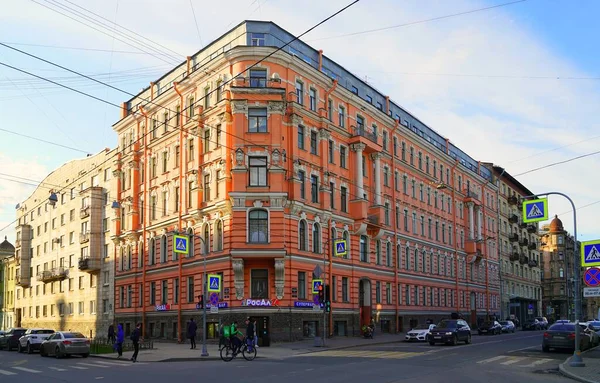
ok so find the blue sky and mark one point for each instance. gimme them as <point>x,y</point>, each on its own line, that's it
<point>469,77</point>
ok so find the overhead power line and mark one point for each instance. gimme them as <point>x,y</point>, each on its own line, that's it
<point>44,141</point>
<point>77,48</point>
<point>420,21</point>
<point>558,163</point>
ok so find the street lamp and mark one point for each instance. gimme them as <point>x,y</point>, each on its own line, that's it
<point>204,287</point>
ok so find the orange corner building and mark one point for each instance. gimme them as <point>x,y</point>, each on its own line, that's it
<point>285,168</point>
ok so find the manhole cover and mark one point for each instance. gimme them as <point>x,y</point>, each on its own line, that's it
<point>547,371</point>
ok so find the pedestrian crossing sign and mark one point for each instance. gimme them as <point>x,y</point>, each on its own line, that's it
<point>590,253</point>
<point>180,244</point>
<point>535,210</point>
<point>340,248</point>
<point>214,283</point>
<point>316,283</point>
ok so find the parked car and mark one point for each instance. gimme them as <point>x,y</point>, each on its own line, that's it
<point>419,333</point>
<point>543,322</point>
<point>532,324</point>
<point>10,339</point>
<point>589,330</point>
<point>562,336</point>
<point>507,326</point>
<point>491,327</point>
<point>64,343</point>
<point>562,321</point>
<point>450,331</point>
<point>594,325</point>
<point>32,339</point>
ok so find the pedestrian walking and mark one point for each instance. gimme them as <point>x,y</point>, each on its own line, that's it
<point>192,327</point>
<point>135,338</point>
<point>250,332</point>
<point>111,334</point>
<point>223,334</point>
<point>255,334</point>
<point>119,341</point>
<point>372,327</point>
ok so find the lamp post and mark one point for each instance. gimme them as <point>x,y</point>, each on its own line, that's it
<point>204,286</point>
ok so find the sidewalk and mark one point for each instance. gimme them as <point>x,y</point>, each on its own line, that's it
<point>590,373</point>
<point>173,352</point>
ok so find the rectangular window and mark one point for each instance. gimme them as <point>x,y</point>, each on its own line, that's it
<point>314,188</point>
<point>301,285</point>
<point>206,141</point>
<point>164,293</point>
<point>257,120</point>
<point>345,295</point>
<point>331,195</point>
<point>300,137</point>
<point>313,143</point>
<point>343,157</point>
<point>300,92</point>
<point>177,156</point>
<point>385,140</point>
<point>302,177</point>
<point>190,149</point>
<point>258,78</point>
<point>388,293</point>
<point>206,97</point>
<point>330,110</point>
<point>190,290</point>
<point>330,151</point>
<point>206,193</point>
<point>259,284</point>
<point>176,290</point>
<point>344,199</point>
<point>218,138</point>
<point>257,39</point>
<point>258,171</point>
<point>152,293</point>
<point>341,116</point>
<point>333,289</point>
<point>312,99</point>
<point>378,292</point>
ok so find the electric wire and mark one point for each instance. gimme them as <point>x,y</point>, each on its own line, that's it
<point>44,141</point>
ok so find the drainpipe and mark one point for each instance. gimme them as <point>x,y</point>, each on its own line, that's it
<point>152,90</point>
<point>320,59</point>
<point>454,211</point>
<point>145,196</point>
<point>327,94</point>
<point>485,250</point>
<point>117,225</point>
<point>181,146</point>
<point>394,244</point>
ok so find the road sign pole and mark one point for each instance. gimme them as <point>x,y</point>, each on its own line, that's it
<point>204,289</point>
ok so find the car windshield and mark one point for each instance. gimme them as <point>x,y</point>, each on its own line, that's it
<point>562,327</point>
<point>447,324</point>
<point>422,327</point>
<point>19,331</point>
<point>42,331</point>
<point>70,335</point>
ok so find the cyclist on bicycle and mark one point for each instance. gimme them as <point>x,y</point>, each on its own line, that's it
<point>236,342</point>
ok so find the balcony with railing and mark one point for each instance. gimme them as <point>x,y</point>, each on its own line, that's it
<point>532,246</point>
<point>514,237</point>
<point>531,228</point>
<point>523,260</point>
<point>533,263</point>
<point>84,212</point>
<point>22,280</point>
<point>522,225</point>
<point>55,274</point>
<point>524,242</point>
<point>514,257</point>
<point>513,218</point>
<point>18,242</point>
<point>362,135</point>
<point>84,237</point>
<point>257,82</point>
<point>513,200</point>
<point>89,264</point>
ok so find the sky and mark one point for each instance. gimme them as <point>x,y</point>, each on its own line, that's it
<point>516,85</point>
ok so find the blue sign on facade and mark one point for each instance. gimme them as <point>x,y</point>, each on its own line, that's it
<point>306,305</point>
<point>535,210</point>
<point>340,248</point>
<point>221,305</point>
<point>590,253</point>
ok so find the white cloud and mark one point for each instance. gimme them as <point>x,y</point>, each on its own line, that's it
<point>501,120</point>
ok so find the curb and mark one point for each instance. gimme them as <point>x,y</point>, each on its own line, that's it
<point>563,371</point>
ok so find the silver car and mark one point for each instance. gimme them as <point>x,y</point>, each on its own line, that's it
<point>65,343</point>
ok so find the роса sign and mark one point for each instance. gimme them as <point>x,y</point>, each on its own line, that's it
<point>257,302</point>
<point>166,307</point>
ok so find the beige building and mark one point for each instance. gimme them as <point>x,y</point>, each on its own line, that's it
<point>520,272</point>
<point>7,284</point>
<point>558,249</point>
<point>64,256</point>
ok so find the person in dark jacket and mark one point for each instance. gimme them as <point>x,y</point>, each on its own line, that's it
<point>191,330</point>
<point>111,334</point>
<point>119,341</point>
<point>135,337</point>
<point>249,333</point>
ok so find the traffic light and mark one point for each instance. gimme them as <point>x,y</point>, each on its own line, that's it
<point>327,299</point>
<point>200,301</point>
<point>321,294</point>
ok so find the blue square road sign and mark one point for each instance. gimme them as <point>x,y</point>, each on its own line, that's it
<point>340,248</point>
<point>535,210</point>
<point>214,283</point>
<point>590,253</point>
<point>180,244</point>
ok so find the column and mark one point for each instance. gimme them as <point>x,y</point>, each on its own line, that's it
<point>479,228</point>
<point>471,221</point>
<point>358,148</point>
<point>279,277</point>
<point>377,178</point>
<point>238,277</point>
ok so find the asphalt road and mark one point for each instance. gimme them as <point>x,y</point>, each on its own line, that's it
<point>502,358</point>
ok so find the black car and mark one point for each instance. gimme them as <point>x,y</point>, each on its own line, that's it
<point>532,324</point>
<point>492,327</point>
<point>10,340</point>
<point>450,331</point>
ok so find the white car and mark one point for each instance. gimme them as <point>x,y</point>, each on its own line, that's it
<point>419,333</point>
<point>32,339</point>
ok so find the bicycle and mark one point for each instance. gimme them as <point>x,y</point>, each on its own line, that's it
<point>248,352</point>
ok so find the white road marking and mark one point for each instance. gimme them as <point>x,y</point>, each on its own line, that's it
<point>92,365</point>
<point>3,372</point>
<point>513,360</point>
<point>522,349</point>
<point>79,368</point>
<point>115,363</point>
<point>27,370</point>
<point>485,361</point>
<point>537,362</point>
<point>57,369</point>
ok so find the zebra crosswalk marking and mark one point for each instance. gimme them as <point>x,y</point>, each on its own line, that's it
<point>512,360</point>
<point>365,354</point>
<point>92,365</point>
<point>57,369</point>
<point>27,370</point>
<point>115,363</point>
<point>4,372</point>
<point>537,363</point>
<point>485,361</point>
<point>79,368</point>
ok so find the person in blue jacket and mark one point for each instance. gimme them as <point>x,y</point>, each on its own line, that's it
<point>120,340</point>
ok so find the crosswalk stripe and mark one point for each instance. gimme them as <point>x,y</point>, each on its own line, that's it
<point>27,370</point>
<point>57,369</point>
<point>485,361</point>
<point>92,365</point>
<point>79,368</point>
<point>537,362</point>
<point>365,354</point>
<point>115,363</point>
<point>3,372</point>
<point>512,361</point>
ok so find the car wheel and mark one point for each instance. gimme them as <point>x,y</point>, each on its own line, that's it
<point>19,348</point>
<point>42,353</point>
<point>545,349</point>
<point>29,348</point>
<point>85,355</point>
<point>468,340</point>
<point>431,343</point>
<point>454,340</point>
<point>8,348</point>
<point>57,353</point>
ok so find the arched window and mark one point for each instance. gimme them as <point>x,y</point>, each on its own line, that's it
<point>163,249</point>
<point>191,242</point>
<point>258,226</point>
<point>407,258</point>
<point>302,238</point>
<point>398,255</point>
<point>129,257</point>
<point>561,273</point>
<point>316,237</point>
<point>424,257</point>
<point>140,254</point>
<point>122,262</point>
<point>152,251</point>
<point>378,252</point>
<point>346,237</point>
<point>219,236</point>
<point>206,237</point>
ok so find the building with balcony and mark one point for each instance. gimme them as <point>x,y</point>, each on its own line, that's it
<point>267,170</point>
<point>558,273</point>
<point>519,250</point>
<point>64,260</point>
<point>7,284</point>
